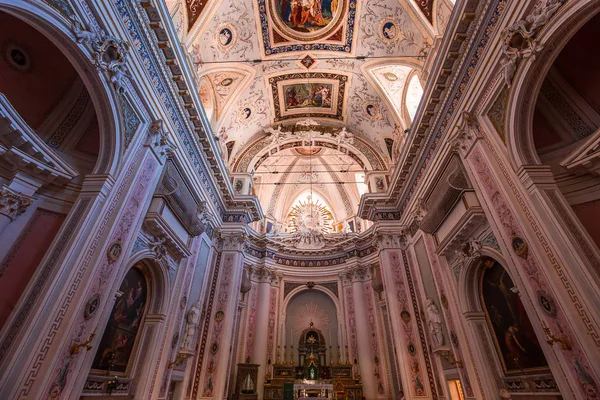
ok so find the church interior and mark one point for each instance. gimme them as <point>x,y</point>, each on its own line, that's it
<point>290,199</point>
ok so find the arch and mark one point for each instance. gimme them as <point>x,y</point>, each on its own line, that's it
<point>473,302</point>
<point>159,279</point>
<point>410,67</point>
<point>294,197</point>
<point>46,20</point>
<point>528,80</point>
<point>470,275</point>
<point>259,150</point>
<point>318,287</point>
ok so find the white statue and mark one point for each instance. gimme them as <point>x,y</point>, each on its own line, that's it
<point>435,323</point>
<point>275,229</point>
<point>345,137</point>
<point>346,227</point>
<point>277,135</point>
<point>192,320</point>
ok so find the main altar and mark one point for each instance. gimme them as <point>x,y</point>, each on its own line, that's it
<point>314,374</point>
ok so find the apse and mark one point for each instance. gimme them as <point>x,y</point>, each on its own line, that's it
<point>311,306</point>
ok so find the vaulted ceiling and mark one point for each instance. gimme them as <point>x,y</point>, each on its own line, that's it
<point>336,63</point>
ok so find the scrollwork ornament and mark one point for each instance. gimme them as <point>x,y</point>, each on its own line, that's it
<point>519,41</point>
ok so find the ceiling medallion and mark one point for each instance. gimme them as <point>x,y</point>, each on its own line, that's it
<point>16,57</point>
<point>389,31</point>
<point>372,111</point>
<point>307,61</point>
<point>246,113</point>
<point>225,37</point>
<point>390,76</point>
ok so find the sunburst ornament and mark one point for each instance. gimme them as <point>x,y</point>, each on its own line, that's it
<point>311,215</point>
<point>310,312</point>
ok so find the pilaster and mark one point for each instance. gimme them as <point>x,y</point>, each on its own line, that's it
<point>412,353</point>
<point>216,366</point>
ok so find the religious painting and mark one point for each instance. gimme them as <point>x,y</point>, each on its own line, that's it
<point>308,95</point>
<point>317,95</point>
<point>114,351</point>
<point>306,15</point>
<point>517,345</point>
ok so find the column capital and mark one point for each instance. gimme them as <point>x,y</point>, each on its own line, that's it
<point>159,141</point>
<point>391,240</point>
<point>468,132</point>
<point>233,241</point>
<point>263,274</point>
<point>13,203</point>
<point>359,273</point>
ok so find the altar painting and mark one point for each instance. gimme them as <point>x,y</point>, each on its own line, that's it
<point>514,337</point>
<point>114,351</point>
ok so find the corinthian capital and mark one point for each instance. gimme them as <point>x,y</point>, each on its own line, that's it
<point>233,241</point>
<point>13,203</point>
<point>395,240</point>
<point>467,133</point>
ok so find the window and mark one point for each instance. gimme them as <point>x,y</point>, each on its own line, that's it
<point>414,93</point>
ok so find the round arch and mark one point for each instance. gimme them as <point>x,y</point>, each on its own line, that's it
<point>56,29</point>
<point>528,79</point>
<point>258,151</point>
<point>158,278</point>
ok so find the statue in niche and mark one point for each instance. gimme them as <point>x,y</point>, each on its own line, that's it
<point>192,321</point>
<point>248,386</point>
<point>435,323</point>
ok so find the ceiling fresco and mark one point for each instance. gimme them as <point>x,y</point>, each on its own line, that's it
<point>301,25</point>
<point>308,95</point>
<point>340,64</point>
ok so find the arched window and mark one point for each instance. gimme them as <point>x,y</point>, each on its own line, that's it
<point>116,346</point>
<point>414,93</point>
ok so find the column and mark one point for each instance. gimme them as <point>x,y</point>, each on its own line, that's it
<point>412,354</point>
<point>218,355</point>
<point>363,335</point>
<point>261,331</point>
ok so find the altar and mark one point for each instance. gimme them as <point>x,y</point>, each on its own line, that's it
<point>308,389</point>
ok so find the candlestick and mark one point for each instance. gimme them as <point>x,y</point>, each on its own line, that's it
<point>330,356</point>
<point>339,362</point>
<point>347,356</point>
<point>285,354</point>
<point>277,355</point>
<point>292,355</point>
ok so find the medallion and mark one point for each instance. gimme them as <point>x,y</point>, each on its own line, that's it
<point>520,247</point>
<point>405,315</point>
<point>114,251</point>
<point>547,303</point>
<point>225,37</point>
<point>91,306</point>
<point>219,316</point>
